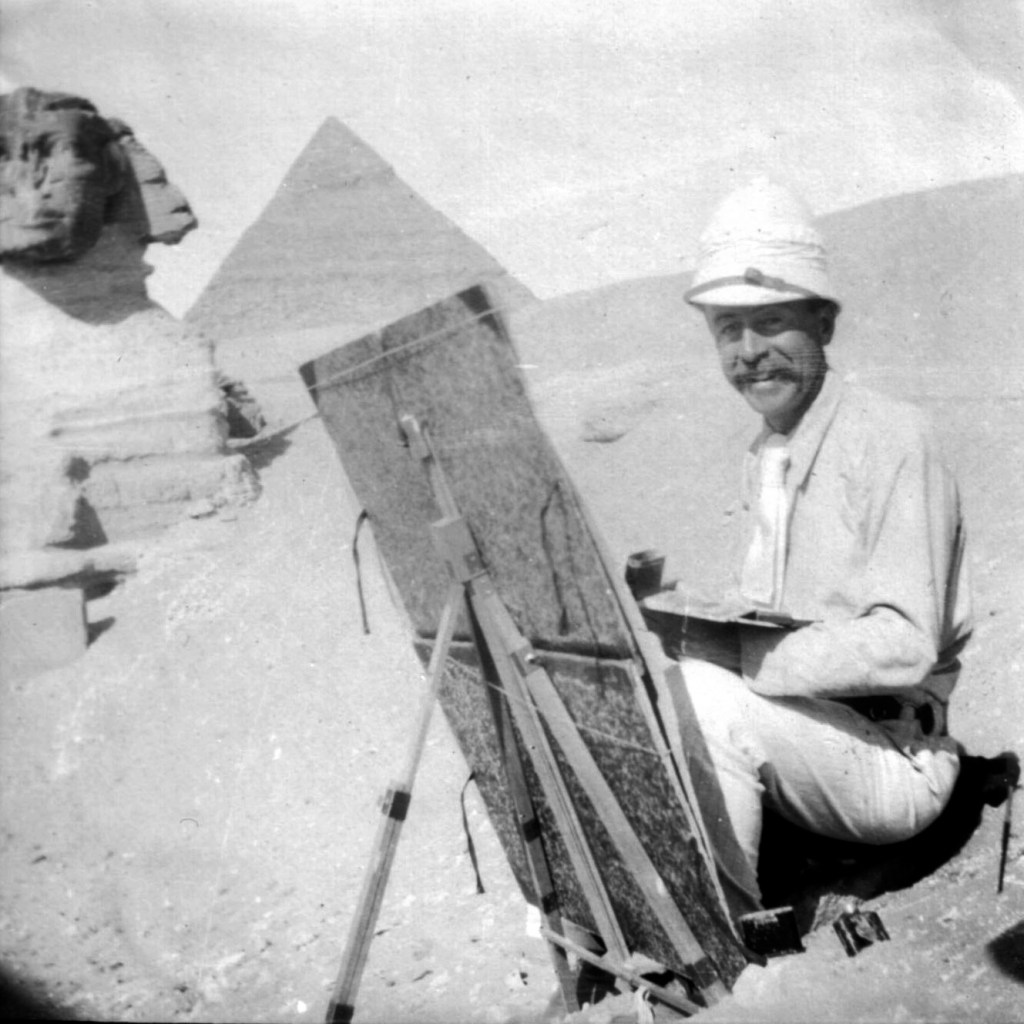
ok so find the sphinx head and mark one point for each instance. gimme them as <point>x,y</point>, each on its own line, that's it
<point>66,172</point>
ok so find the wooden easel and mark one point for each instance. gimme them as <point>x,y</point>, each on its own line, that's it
<point>524,697</point>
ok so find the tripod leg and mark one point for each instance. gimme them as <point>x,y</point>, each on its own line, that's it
<point>702,971</point>
<point>502,639</point>
<point>529,829</point>
<point>396,806</point>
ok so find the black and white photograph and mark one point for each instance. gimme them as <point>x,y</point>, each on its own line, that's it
<point>512,512</point>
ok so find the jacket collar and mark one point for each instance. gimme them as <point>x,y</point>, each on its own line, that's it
<point>804,440</point>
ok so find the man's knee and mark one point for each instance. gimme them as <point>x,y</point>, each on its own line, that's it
<point>717,697</point>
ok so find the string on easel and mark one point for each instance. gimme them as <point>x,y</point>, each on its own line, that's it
<point>455,667</point>
<point>370,364</point>
<point>470,846</point>
<point>363,516</point>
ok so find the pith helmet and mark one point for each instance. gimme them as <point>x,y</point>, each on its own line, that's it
<point>761,246</point>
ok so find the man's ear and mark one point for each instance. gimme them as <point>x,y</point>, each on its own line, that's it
<point>827,323</point>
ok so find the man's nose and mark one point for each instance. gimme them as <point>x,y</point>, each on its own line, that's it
<point>752,345</point>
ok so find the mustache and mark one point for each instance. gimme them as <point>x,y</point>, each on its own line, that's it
<point>764,373</point>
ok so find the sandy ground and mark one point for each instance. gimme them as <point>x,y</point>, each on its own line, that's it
<point>188,809</point>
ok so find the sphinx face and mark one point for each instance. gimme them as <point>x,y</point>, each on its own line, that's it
<point>56,175</point>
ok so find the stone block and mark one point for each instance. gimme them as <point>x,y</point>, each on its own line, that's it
<point>140,497</point>
<point>41,629</point>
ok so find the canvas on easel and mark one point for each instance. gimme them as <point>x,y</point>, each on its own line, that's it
<point>452,369</point>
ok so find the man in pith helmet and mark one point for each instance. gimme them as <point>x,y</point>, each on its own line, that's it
<point>853,534</point>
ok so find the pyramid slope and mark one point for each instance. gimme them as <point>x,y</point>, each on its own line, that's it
<point>346,243</point>
<point>934,286</point>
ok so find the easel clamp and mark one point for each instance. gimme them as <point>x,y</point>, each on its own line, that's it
<point>455,544</point>
<point>413,433</point>
<point>396,804</point>
<point>524,658</point>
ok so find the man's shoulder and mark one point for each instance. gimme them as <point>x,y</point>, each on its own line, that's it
<point>867,411</point>
<point>878,429</point>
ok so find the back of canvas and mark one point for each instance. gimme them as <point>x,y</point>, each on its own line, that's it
<point>454,369</point>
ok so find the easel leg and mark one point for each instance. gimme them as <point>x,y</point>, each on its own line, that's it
<point>529,827</point>
<point>501,642</point>
<point>530,688</point>
<point>667,996</point>
<point>510,665</point>
<point>396,806</point>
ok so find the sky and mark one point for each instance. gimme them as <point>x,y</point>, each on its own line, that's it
<point>581,143</point>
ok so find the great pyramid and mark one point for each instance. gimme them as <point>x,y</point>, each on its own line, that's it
<point>344,246</point>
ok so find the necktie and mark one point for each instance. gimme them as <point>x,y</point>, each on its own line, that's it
<point>761,581</point>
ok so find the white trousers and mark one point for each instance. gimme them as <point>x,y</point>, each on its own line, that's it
<point>817,763</point>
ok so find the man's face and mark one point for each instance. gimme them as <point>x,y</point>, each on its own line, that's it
<point>54,184</point>
<point>773,355</point>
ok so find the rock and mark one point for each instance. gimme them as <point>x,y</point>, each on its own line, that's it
<point>41,629</point>
<point>604,428</point>
<point>245,418</point>
<point>22,569</point>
